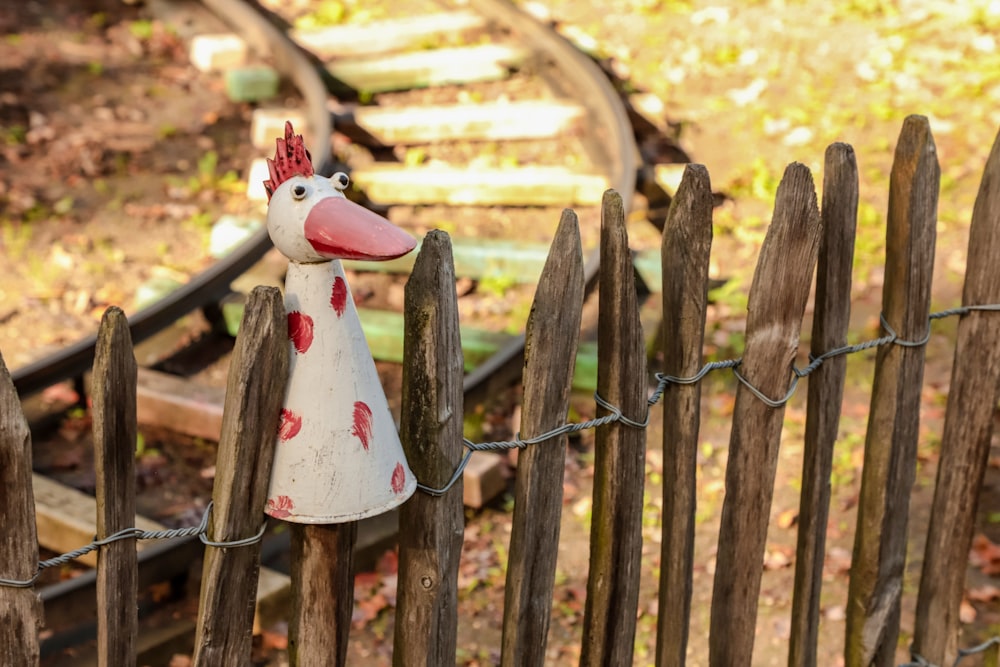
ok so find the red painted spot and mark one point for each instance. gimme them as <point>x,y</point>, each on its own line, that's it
<point>300,330</point>
<point>290,425</point>
<point>362,423</point>
<point>280,507</point>
<point>338,296</point>
<point>398,479</point>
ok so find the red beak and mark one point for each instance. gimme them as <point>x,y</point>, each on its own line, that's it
<point>340,229</point>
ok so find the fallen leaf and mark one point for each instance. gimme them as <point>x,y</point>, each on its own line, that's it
<point>777,558</point>
<point>985,555</point>
<point>61,393</point>
<point>388,563</point>
<point>160,592</point>
<point>788,518</point>
<point>835,613</point>
<point>838,561</point>
<point>368,609</point>
<point>966,612</point>
<point>388,589</point>
<point>364,583</point>
<point>985,593</point>
<point>271,640</point>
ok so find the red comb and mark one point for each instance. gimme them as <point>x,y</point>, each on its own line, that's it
<point>290,159</point>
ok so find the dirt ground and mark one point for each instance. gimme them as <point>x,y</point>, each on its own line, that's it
<point>105,130</point>
<point>109,138</point>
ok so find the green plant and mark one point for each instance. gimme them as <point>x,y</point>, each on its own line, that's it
<point>15,238</point>
<point>15,135</point>
<point>141,29</point>
<point>208,179</point>
<point>497,284</point>
<point>326,13</point>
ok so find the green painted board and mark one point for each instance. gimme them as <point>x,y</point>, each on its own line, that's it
<point>421,69</point>
<point>476,258</point>
<point>384,332</point>
<point>518,261</point>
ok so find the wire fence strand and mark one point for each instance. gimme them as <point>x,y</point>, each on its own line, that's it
<point>200,531</point>
<point>917,660</point>
<point>663,381</point>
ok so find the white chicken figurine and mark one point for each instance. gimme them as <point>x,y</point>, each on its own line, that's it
<point>338,457</point>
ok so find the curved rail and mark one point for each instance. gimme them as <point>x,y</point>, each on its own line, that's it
<point>608,115</point>
<point>213,283</point>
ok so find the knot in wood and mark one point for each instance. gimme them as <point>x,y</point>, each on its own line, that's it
<point>427,582</point>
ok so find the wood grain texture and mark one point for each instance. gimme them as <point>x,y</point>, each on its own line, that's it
<point>687,244</point>
<point>873,604</point>
<point>255,390</point>
<point>322,593</point>
<point>777,301</point>
<point>113,391</point>
<point>551,338</point>
<point>20,608</point>
<point>826,392</point>
<point>431,528</point>
<point>620,454</point>
<point>968,430</point>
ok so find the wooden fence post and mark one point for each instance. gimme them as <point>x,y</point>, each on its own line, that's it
<point>113,393</point>
<point>620,463</point>
<point>322,593</point>
<point>777,303</point>
<point>968,430</point>
<point>20,608</point>
<point>430,528</point>
<point>255,390</point>
<point>552,335</point>
<point>826,393</point>
<point>873,604</point>
<point>687,244</point>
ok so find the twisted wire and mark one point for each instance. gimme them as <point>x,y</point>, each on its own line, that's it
<point>663,381</point>
<point>201,531</point>
<point>917,660</point>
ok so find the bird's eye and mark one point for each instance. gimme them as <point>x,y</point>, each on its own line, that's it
<point>340,180</point>
<point>299,191</point>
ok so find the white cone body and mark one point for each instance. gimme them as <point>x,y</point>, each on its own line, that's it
<point>338,457</point>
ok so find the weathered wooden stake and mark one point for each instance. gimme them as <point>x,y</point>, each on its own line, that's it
<point>873,604</point>
<point>255,389</point>
<point>113,394</point>
<point>552,335</point>
<point>687,243</point>
<point>826,393</point>
<point>20,608</point>
<point>968,430</point>
<point>620,463</point>
<point>430,528</point>
<point>322,593</point>
<point>777,303</point>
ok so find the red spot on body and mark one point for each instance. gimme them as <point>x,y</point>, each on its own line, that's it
<point>280,507</point>
<point>398,478</point>
<point>338,296</point>
<point>362,424</point>
<point>290,425</point>
<point>300,330</point>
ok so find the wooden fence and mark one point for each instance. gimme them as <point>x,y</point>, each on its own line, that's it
<point>430,538</point>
